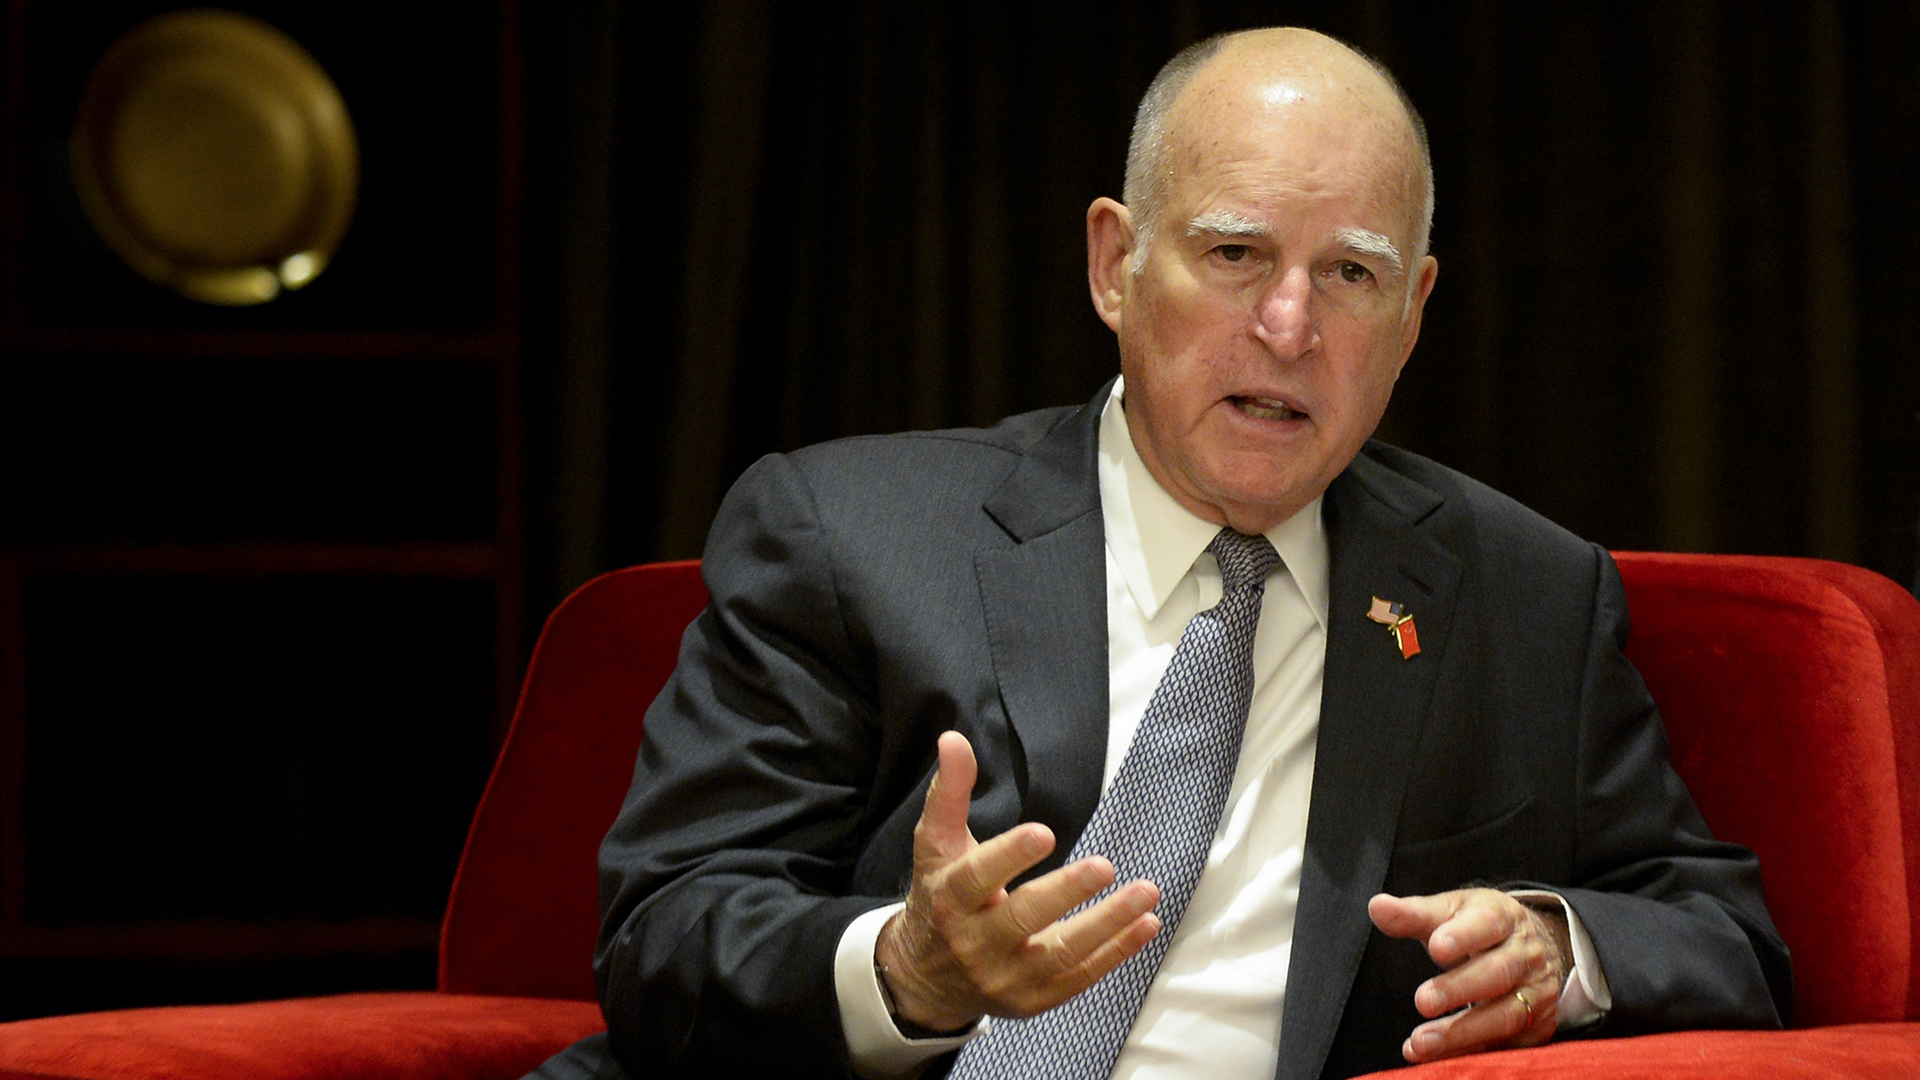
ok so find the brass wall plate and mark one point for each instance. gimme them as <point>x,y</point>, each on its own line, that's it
<point>216,157</point>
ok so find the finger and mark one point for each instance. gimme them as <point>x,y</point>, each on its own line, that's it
<point>1501,1022</point>
<point>1526,959</point>
<point>1044,900</point>
<point>943,822</point>
<point>1084,934</point>
<point>1482,920</point>
<point>1110,953</point>
<point>1412,916</point>
<point>971,881</point>
<point>1484,978</point>
<point>1078,952</point>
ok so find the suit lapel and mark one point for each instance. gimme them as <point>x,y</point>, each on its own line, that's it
<point>1046,612</point>
<point>1373,707</point>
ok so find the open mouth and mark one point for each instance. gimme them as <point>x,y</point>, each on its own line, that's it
<point>1261,408</point>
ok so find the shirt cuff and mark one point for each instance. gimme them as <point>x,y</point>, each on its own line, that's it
<point>1585,998</point>
<point>875,1046</point>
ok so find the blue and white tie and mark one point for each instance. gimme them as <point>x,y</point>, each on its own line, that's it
<point>1156,821</point>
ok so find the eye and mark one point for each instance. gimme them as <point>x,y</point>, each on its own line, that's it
<point>1233,253</point>
<point>1352,272</point>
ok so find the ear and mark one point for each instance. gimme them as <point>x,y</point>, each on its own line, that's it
<point>1427,272</point>
<point>1109,264</point>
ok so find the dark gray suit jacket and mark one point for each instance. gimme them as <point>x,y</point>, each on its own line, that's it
<point>871,593</point>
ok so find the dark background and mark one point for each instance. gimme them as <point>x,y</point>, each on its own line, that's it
<point>268,576</point>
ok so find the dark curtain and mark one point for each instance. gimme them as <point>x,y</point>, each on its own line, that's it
<point>1675,307</point>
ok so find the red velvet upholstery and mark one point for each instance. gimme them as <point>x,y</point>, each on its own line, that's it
<point>525,906</point>
<point>1802,753</point>
<point>1791,689</point>
<point>516,983</point>
<point>1849,1052</point>
<point>411,1036</point>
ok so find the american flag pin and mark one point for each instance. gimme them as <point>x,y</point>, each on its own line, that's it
<point>1395,618</point>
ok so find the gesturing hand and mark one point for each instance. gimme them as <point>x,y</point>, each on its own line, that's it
<point>964,946</point>
<point>1505,965</point>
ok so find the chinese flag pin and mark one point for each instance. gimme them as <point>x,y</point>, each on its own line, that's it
<point>1395,618</point>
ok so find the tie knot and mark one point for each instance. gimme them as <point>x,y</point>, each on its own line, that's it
<point>1244,560</point>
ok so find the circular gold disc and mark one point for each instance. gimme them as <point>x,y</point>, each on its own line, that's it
<point>215,156</point>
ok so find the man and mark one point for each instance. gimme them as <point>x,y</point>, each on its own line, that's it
<point>919,640</point>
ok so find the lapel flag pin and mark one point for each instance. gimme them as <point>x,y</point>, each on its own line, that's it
<point>1395,618</point>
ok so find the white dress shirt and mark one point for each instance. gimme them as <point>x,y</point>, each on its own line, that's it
<point>1216,1005</point>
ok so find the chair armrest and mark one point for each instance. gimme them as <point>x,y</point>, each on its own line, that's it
<point>387,1036</point>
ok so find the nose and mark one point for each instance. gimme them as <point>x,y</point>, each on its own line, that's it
<point>1285,318</point>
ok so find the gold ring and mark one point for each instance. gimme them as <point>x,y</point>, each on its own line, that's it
<point>1521,997</point>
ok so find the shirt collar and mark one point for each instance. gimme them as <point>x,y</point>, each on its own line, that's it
<point>1155,541</point>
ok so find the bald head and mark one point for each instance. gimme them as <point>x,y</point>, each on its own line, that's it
<point>1209,86</point>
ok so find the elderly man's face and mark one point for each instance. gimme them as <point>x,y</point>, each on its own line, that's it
<point>1278,300</point>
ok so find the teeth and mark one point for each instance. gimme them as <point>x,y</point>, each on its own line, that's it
<point>1264,408</point>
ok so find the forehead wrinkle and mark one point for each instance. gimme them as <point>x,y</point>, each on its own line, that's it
<point>1368,242</point>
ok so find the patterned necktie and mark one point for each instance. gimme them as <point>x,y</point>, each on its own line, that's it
<point>1156,821</point>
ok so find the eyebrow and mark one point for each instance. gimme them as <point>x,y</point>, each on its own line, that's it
<point>1224,223</point>
<point>1366,242</point>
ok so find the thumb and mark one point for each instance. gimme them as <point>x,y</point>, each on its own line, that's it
<point>942,832</point>
<point>1411,916</point>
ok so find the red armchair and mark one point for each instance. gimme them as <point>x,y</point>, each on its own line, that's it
<point>516,949</point>
<point>1790,687</point>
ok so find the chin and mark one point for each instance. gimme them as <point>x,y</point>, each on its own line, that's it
<point>1268,494</point>
<point>1260,511</point>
